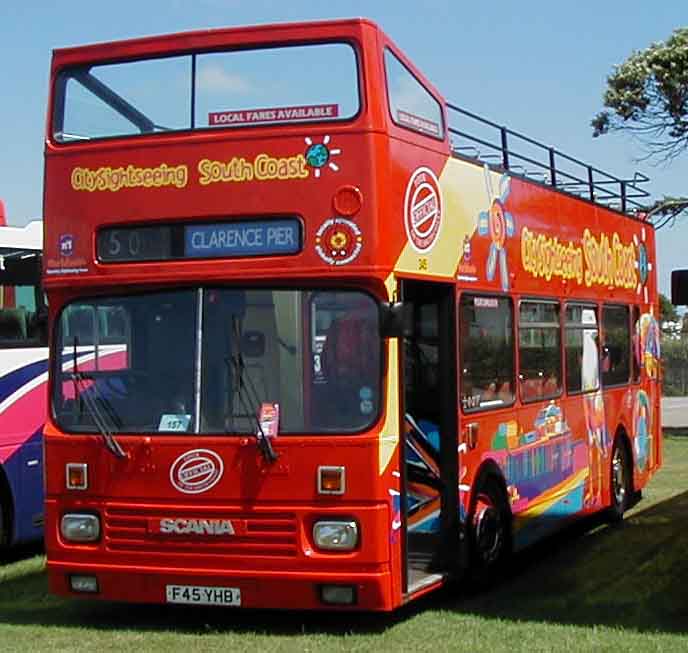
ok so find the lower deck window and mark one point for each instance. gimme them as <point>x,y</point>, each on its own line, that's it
<point>487,351</point>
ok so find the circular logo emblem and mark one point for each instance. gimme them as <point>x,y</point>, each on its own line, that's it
<point>423,209</point>
<point>338,241</point>
<point>317,155</point>
<point>196,471</point>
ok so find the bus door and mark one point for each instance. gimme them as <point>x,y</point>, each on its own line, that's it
<point>429,477</point>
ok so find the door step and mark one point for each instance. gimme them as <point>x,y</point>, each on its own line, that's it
<point>419,581</point>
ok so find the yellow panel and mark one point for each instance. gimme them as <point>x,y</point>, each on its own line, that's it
<point>464,196</point>
<point>389,436</point>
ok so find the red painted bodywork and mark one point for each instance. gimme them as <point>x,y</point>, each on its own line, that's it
<point>278,566</point>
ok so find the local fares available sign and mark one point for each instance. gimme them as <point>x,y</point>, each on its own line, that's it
<point>603,260</point>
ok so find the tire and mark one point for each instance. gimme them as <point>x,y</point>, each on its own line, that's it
<point>489,532</point>
<point>3,519</point>
<point>620,482</point>
<point>5,512</point>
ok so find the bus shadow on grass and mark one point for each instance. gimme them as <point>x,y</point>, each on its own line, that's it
<point>16,554</point>
<point>632,576</point>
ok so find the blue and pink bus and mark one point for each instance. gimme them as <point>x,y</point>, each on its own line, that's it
<point>23,378</point>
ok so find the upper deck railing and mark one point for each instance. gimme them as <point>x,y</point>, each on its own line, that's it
<point>497,146</point>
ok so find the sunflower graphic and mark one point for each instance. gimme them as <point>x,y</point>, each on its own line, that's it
<point>498,224</point>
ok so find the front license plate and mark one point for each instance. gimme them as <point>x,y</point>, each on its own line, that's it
<point>200,595</point>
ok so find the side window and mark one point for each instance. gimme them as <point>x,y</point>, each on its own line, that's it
<point>616,352</point>
<point>635,345</point>
<point>581,344</point>
<point>539,346</point>
<point>411,104</point>
<point>487,351</point>
<point>22,317</point>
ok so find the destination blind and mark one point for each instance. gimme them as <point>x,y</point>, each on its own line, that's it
<point>241,238</point>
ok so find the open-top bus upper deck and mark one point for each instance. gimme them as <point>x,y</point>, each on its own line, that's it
<point>296,146</point>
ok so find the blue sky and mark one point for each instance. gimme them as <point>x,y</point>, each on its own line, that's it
<point>537,66</point>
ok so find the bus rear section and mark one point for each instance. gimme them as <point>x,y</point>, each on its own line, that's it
<point>23,384</point>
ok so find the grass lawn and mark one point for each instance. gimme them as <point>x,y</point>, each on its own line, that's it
<point>594,588</point>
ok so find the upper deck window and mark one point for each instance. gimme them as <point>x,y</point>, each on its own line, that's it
<point>411,104</point>
<point>294,84</point>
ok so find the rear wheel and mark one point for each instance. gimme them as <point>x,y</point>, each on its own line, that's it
<point>620,481</point>
<point>490,532</point>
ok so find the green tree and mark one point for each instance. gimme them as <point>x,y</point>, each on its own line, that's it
<point>647,95</point>
<point>667,311</point>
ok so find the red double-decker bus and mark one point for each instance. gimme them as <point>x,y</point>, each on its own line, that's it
<point>314,345</point>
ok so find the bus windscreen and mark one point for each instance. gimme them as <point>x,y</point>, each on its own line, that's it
<point>205,360</point>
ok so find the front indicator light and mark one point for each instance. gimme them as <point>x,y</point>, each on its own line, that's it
<point>335,535</point>
<point>83,584</point>
<point>76,475</point>
<point>331,480</point>
<point>80,528</point>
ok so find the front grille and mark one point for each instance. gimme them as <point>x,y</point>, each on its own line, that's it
<point>258,534</point>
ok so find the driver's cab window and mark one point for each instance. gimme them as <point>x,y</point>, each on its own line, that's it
<point>345,345</point>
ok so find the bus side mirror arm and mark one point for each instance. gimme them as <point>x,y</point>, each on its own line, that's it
<point>396,320</point>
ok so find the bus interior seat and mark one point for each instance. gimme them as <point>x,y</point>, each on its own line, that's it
<point>531,388</point>
<point>13,323</point>
<point>505,393</point>
<point>550,386</point>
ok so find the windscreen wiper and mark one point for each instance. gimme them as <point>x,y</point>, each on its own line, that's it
<point>91,397</point>
<point>247,393</point>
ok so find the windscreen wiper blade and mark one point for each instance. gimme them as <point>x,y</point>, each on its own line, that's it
<point>91,397</point>
<point>263,441</point>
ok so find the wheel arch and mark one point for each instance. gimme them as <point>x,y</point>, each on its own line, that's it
<point>489,469</point>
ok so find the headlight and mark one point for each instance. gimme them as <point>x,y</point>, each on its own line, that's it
<point>80,528</point>
<point>335,535</point>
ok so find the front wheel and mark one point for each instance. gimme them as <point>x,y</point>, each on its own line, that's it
<point>490,532</point>
<point>620,482</point>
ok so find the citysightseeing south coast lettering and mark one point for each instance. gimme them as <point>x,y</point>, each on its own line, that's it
<point>263,168</point>
<point>111,179</point>
<point>602,260</point>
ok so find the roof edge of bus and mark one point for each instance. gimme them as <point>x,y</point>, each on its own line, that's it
<point>181,36</point>
<point>29,236</point>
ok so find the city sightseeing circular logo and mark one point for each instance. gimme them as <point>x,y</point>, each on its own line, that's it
<point>423,209</point>
<point>196,471</point>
